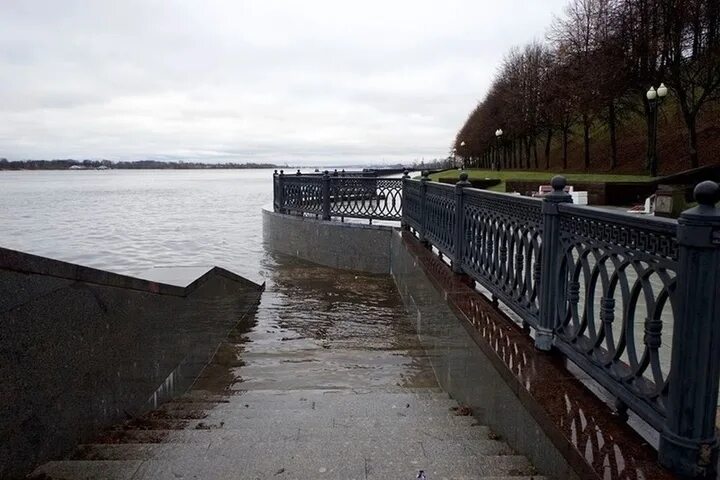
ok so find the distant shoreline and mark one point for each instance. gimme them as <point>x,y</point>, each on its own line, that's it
<point>32,165</point>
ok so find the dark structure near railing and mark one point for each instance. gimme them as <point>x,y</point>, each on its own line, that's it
<point>338,195</point>
<point>603,288</point>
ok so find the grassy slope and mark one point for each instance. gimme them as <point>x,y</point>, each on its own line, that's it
<point>538,176</point>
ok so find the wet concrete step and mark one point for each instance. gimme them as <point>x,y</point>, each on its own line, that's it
<point>270,420</point>
<point>217,445</point>
<point>258,432</point>
<point>87,470</point>
<point>309,408</point>
<point>305,401</point>
<point>204,395</point>
<point>328,467</point>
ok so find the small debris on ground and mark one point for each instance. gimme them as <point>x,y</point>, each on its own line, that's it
<point>493,436</point>
<point>209,426</point>
<point>462,411</point>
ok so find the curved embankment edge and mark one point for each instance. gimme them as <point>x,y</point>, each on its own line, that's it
<point>343,245</point>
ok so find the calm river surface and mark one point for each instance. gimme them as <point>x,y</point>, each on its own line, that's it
<point>128,221</point>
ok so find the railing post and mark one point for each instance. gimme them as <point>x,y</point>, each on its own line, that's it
<point>552,286</point>
<point>326,195</point>
<point>281,192</point>
<point>688,443</point>
<point>403,222</point>
<point>423,213</point>
<point>276,206</point>
<point>459,223</point>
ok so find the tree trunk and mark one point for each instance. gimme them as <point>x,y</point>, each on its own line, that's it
<point>527,152</point>
<point>565,148</point>
<point>547,148</point>
<point>690,120</point>
<point>534,145</point>
<point>586,140</point>
<point>612,124</point>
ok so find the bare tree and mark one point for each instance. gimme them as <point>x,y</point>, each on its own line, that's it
<point>693,59</point>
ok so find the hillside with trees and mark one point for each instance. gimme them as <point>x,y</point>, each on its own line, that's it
<point>577,100</point>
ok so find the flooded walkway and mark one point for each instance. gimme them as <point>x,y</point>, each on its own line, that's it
<point>329,381</point>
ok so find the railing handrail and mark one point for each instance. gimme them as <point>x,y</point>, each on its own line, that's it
<point>660,224</point>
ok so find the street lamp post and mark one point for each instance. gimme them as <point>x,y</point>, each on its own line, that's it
<point>655,99</point>
<point>462,153</point>
<point>498,137</point>
<point>454,153</point>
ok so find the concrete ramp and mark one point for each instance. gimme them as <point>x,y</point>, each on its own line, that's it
<point>82,348</point>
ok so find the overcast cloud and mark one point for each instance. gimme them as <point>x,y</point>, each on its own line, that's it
<point>311,82</point>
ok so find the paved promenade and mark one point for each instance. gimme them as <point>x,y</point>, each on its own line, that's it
<point>329,382</point>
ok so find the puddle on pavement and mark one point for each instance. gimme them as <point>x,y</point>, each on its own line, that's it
<point>319,327</point>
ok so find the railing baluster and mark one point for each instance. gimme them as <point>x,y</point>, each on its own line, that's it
<point>459,224</point>
<point>281,192</point>
<point>551,283</point>
<point>403,219</point>
<point>276,207</point>
<point>423,202</point>
<point>688,442</point>
<point>326,195</point>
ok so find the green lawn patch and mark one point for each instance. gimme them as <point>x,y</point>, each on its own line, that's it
<point>544,177</point>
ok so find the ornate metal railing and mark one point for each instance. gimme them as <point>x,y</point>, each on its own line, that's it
<point>621,281</point>
<point>329,195</point>
<point>440,216</point>
<point>502,247</point>
<point>609,290</point>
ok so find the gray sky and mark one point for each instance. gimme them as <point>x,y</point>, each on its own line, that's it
<point>299,81</point>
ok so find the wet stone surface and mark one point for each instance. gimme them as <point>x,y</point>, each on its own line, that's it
<point>329,381</point>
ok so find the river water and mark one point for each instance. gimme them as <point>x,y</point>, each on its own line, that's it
<point>128,221</point>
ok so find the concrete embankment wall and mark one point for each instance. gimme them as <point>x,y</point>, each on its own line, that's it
<point>348,246</point>
<point>82,349</point>
<point>465,371</point>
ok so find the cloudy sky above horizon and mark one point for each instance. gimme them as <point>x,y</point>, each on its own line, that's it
<point>312,82</point>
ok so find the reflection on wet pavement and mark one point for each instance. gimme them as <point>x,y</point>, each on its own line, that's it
<point>323,328</point>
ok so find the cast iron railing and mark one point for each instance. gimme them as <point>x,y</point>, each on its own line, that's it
<point>329,195</point>
<point>611,291</point>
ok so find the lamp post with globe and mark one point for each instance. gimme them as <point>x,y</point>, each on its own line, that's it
<point>498,137</point>
<point>655,99</point>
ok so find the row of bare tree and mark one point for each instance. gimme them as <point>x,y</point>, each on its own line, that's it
<point>595,68</point>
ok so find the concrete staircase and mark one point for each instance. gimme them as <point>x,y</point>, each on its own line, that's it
<point>323,387</point>
<point>303,434</point>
